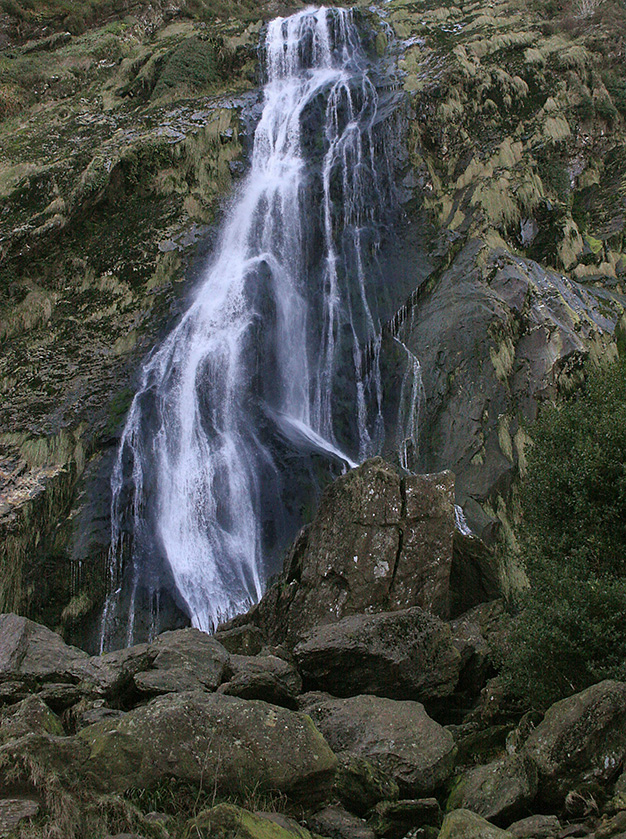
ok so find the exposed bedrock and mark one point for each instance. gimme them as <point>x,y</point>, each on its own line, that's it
<point>495,335</point>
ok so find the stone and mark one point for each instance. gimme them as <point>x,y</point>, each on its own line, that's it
<point>241,640</point>
<point>242,745</point>
<point>31,715</point>
<point>463,824</point>
<point>31,652</point>
<point>227,821</point>
<point>118,668</point>
<point>619,793</point>
<point>183,660</point>
<point>611,827</point>
<point>287,823</point>
<point>474,576</point>
<point>379,542</point>
<point>397,736</point>
<point>500,791</point>
<point>581,739</point>
<point>395,819</point>
<point>32,758</point>
<point>265,677</point>
<point>15,810</point>
<point>336,823</point>
<point>535,827</point>
<point>404,655</point>
<point>360,785</point>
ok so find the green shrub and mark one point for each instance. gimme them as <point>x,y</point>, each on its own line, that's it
<point>570,631</point>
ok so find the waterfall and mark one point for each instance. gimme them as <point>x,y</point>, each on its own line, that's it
<point>264,373</point>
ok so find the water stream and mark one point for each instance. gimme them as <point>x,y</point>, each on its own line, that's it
<point>262,382</point>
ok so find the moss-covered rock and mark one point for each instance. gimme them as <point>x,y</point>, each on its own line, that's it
<point>227,821</point>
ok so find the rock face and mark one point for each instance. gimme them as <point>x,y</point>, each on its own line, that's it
<point>529,330</point>
<point>399,737</point>
<point>226,821</point>
<point>581,739</point>
<point>407,654</point>
<point>240,744</point>
<point>379,542</point>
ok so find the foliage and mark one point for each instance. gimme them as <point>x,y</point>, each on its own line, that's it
<point>570,631</point>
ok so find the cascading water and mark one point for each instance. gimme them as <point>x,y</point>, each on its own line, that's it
<point>264,374</point>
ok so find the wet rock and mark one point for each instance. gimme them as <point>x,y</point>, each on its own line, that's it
<point>463,824</point>
<point>191,736</point>
<point>399,737</point>
<point>265,677</point>
<point>407,654</point>
<point>494,334</point>
<point>395,819</point>
<point>360,785</point>
<point>336,823</point>
<point>15,810</point>
<point>500,791</point>
<point>581,739</point>
<point>535,827</point>
<point>227,821</point>
<point>378,542</point>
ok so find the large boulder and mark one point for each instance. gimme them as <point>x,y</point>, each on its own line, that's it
<point>500,791</point>
<point>265,677</point>
<point>399,737</point>
<point>30,652</point>
<point>183,660</point>
<point>403,655</point>
<point>379,542</point>
<point>581,739</point>
<point>241,745</point>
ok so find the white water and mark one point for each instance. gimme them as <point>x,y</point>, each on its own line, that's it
<point>270,346</point>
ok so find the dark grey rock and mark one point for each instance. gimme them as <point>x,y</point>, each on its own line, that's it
<point>263,677</point>
<point>407,654</point>
<point>581,739</point>
<point>535,827</point>
<point>336,823</point>
<point>399,737</point>
<point>499,792</point>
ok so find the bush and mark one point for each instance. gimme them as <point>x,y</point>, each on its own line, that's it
<point>571,630</point>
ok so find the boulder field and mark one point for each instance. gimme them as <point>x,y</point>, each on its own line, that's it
<point>360,717</point>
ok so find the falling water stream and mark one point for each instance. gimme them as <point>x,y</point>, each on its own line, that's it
<point>264,372</point>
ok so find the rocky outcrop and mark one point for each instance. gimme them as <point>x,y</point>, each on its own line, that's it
<point>402,655</point>
<point>399,737</point>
